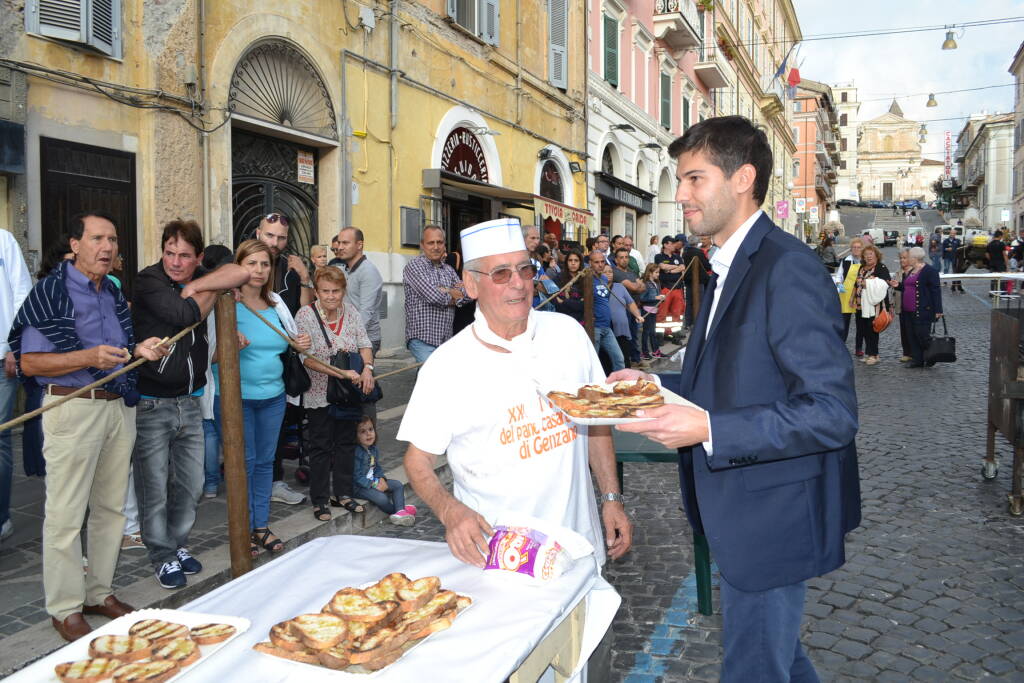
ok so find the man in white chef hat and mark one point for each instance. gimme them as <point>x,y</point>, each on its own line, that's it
<point>476,399</point>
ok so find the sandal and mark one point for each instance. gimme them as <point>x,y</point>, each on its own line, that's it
<point>261,537</point>
<point>348,504</point>
<point>322,513</point>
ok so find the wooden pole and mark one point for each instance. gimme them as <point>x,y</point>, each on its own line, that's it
<point>588,303</point>
<point>232,436</point>
<point>695,286</point>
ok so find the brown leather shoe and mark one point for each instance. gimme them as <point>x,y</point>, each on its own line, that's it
<point>72,628</point>
<point>112,608</point>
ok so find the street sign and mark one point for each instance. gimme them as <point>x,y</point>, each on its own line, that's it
<point>801,204</point>
<point>814,215</point>
<point>782,209</point>
<point>949,155</point>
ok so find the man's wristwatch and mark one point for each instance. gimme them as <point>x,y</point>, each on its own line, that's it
<point>613,497</point>
<point>367,366</point>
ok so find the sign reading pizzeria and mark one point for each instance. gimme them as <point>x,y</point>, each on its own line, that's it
<point>463,155</point>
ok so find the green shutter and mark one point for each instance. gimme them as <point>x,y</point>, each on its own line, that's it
<point>686,112</point>
<point>611,50</point>
<point>666,101</point>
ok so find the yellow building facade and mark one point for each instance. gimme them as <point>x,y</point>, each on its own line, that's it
<point>385,115</point>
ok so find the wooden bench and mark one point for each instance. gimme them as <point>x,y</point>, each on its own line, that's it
<point>637,448</point>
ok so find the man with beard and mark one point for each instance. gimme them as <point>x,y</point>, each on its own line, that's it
<point>768,464</point>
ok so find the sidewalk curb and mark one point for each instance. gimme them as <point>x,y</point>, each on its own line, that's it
<point>35,642</point>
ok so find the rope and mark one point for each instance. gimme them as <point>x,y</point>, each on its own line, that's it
<point>95,385</point>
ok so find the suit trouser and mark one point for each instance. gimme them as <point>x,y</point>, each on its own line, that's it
<point>761,635</point>
<point>87,445</point>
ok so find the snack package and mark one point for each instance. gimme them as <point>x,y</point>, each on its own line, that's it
<point>535,549</point>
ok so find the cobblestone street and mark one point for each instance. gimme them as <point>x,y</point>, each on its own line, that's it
<point>932,589</point>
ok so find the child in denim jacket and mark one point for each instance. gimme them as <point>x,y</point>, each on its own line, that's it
<point>369,480</point>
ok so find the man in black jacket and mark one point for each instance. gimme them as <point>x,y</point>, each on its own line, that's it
<point>169,445</point>
<point>692,251</point>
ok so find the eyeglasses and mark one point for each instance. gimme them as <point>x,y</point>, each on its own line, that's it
<point>275,217</point>
<point>500,276</point>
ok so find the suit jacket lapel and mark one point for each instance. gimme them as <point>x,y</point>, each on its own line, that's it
<point>737,272</point>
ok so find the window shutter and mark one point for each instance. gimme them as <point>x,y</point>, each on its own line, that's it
<point>488,20</point>
<point>611,50</point>
<point>104,26</point>
<point>686,112</point>
<point>453,9</point>
<point>666,101</point>
<point>558,43</point>
<point>63,19</point>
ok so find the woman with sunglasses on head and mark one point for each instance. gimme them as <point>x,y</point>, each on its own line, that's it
<point>262,375</point>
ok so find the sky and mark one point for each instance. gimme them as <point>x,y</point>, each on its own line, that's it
<point>913,63</point>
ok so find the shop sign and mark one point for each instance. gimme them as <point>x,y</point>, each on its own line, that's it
<point>305,173</point>
<point>463,155</point>
<point>621,195</point>
<point>574,221</point>
<point>782,209</point>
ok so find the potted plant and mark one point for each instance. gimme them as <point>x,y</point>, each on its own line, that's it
<point>705,5</point>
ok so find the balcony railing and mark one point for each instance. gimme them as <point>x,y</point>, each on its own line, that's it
<point>678,23</point>
<point>711,68</point>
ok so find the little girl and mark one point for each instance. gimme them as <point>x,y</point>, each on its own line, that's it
<point>649,302</point>
<point>387,494</point>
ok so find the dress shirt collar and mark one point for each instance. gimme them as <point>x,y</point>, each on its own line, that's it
<point>722,259</point>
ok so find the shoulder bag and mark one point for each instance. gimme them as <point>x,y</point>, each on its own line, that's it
<point>882,320</point>
<point>296,377</point>
<point>941,349</point>
<point>343,393</point>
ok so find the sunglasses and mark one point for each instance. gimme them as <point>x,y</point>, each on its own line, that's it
<point>275,217</point>
<point>500,276</point>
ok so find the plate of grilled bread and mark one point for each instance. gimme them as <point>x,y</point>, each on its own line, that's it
<point>363,630</point>
<point>611,404</point>
<point>147,646</point>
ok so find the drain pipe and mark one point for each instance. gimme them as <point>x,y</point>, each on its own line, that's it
<point>346,164</point>
<point>392,65</point>
<point>204,137</point>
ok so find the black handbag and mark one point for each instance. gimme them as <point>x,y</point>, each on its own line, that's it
<point>296,377</point>
<point>343,393</point>
<point>941,349</point>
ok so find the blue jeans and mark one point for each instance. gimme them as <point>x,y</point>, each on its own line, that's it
<point>634,340</point>
<point>650,334</point>
<point>261,422</point>
<point>390,501</point>
<point>937,261</point>
<point>947,265</point>
<point>420,350</point>
<point>604,338</point>
<point>211,456</point>
<point>167,462</point>
<point>761,635</point>
<point>8,390</point>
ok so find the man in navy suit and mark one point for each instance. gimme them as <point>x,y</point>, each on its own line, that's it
<point>768,464</point>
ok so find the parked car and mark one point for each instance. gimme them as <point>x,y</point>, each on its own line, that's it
<point>876,204</point>
<point>892,238</point>
<point>846,202</point>
<point>862,204</point>
<point>910,204</point>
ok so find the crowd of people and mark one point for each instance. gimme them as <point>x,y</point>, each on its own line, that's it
<point>136,454</point>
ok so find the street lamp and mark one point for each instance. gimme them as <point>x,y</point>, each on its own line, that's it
<point>931,100</point>
<point>949,43</point>
<point>624,127</point>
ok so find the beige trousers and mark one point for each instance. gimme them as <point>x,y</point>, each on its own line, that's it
<point>87,445</point>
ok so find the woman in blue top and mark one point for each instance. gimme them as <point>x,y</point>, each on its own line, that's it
<point>262,373</point>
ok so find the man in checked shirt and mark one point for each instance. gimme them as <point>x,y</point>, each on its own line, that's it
<point>432,292</point>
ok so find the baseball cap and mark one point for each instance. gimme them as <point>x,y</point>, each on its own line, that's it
<point>680,237</point>
<point>668,239</point>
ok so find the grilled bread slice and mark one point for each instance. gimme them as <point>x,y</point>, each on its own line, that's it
<point>87,670</point>
<point>387,588</point>
<point>462,602</point>
<point>640,387</point>
<point>593,392</point>
<point>281,636</point>
<point>388,657</point>
<point>379,644</point>
<point>156,630</point>
<point>336,657</point>
<point>211,634</point>
<point>319,631</point>
<point>353,604</point>
<point>306,656</point>
<point>441,623</point>
<point>125,648</point>
<point>357,630</point>
<point>418,593</point>
<point>418,619</point>
<point>182,651</point>
<point>155,671</point>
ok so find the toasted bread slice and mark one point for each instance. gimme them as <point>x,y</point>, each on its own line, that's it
<point>319,631</point>
<point>593,392</point>
<point>420,618</point>
<point>211,634</point>
<point>357,630</point>
<point>353,604</point>
<point>87,670</point>
<point>181,651</point>
<point>155,671</point>
<point>388,657</point>
<point>462,602</point>
<point>387,588</point>
<point>336,657</point>
<point>125,648</point>
<point>157,630</point>
<point>281,636</point>
<point>418,593</point>
<point>306,656</point>
<point>441,623</point>
<point>379,644</point>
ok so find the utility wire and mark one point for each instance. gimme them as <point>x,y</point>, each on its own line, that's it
<point>897,96</point>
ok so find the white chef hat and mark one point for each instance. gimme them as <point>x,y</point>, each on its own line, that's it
<point>500,236</point>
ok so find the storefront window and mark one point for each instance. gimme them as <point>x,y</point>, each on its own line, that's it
<point>551,181</point>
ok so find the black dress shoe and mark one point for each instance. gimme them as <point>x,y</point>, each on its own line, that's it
<point>72,628</point>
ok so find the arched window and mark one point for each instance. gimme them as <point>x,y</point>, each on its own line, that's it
<point>796,169</point>
<point>607,166</point>
<point>551,181</point>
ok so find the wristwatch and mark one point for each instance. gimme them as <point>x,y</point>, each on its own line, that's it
<point>367,366</point>
<point>613,497</point>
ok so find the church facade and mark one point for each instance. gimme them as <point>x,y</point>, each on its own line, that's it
<point>890,165</point>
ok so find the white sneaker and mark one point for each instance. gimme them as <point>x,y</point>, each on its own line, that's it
<point>7,530</point>
<point>281,493</point>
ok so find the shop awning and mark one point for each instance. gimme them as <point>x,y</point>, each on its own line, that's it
<point>576,223</point>
<point>618,191</point>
